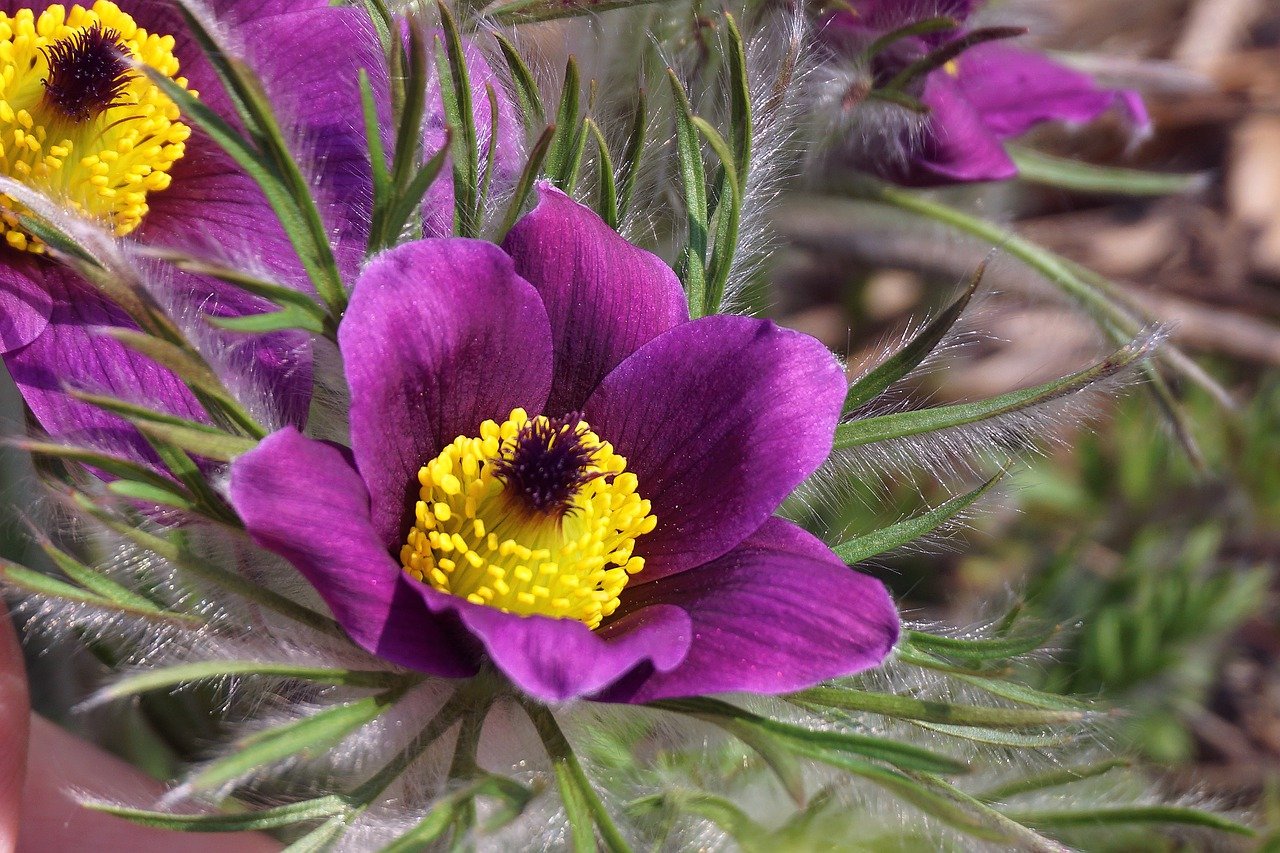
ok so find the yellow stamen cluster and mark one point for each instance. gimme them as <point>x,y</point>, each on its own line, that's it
<point>475,537</point>
<point>103,165</point>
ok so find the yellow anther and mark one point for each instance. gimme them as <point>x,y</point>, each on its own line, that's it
<point>477,536</point>
<point>103,166</point>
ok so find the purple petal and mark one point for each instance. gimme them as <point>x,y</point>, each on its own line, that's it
<point>25,303</point>
<point>303,500</point>
<point>1014,90</point>
<point>559,659</point>
<point>309,61</point>
<point>605,297</point>
<point>719,419</point>
<point>507,148</point>
<point>70,353</point>
<point>439,336</point>
<point>778,613</point>
<point>957,145</point>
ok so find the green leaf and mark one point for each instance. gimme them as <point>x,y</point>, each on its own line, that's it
<point>149,494</point>
<point>207,571</point>
<point>741,121</point>
<point>582,803</point>
<point>528,175</point>
<point>1000,737</point>
<point>896,535</point>
<point>273,818</point>
<point>1039,168</point>
<point>1065,776</point>
<point>410,200</point>
<point>38,583</point>
<point>560,155</point>
<point>311,735</point>
<point>986,649</point>
<point>94,581</point>
<point>826,746</point>
<point>902,424</point>
<point>933,711</point>
<point>441,816</point>
<point>267,160</point>
<point>527,93</point>
<point>171,676</point>
<point>126,469</point>
<point>907,359</point>
<point>924,27</point>
<point>693,258</point>
<point>277,293</point>
<point>321,837</point>
<point>271,321</point>
<point>727,216</point>
<point>608,204</point>
<point>1129,815</point>
<point>456,96</point>
<point>532,11</point>
<point>630,167</point>
<point>200,440</point>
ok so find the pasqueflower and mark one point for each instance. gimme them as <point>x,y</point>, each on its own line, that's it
<point>552,468</point>
<point>988,93</point>
<point>78,123</point>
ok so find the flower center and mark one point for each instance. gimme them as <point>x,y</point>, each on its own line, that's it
<point>77,123</point>
<point>533,516</point>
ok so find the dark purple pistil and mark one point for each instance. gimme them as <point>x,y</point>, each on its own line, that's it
<point>87,73</point>
<point>546,464</point>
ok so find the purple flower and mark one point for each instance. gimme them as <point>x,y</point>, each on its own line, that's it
<point>554,469</point>
<point>988,93</point>
<point>169,185</point>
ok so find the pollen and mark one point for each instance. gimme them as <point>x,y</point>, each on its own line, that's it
<point>77,122</point>
<point>532,516</point>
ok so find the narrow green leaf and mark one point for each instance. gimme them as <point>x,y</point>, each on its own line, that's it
<point>126,469</point>
<point>38,583</point>
<point>410,200</point>
<point>208,571</point>
<point>1040,168</point>
<point>582,803</point>
<point>986,649</point>
<point>321,837</point>
<point>92,580</point>
<point>924,27</point>
<point>749,835</point>
<point>907,359</point>
<point>527,93</point>
<point>528,175</point>
<point>532,11</point>
<point>456,95</point>
<point>440,818</point>
<point>608,204</point>
<point>171,676</point>
<point>200,440</point>
<point>491,155</point>
<point>277,293</point>
<point>310,735</point>
<point>1053,779</point>
<point>861,548</point>
<point>146,493</point>
<point>273,818</point>
<point>377,158</point>
<point>1002,737</point>
<point>693,258</point>
<point>933,711</point>
<point>902,424</point>
<point>272,321</point>
<point>727,216</point>
<point>949,50</point>
<point>741,120</point>
<point>1130,815</point>
<point>632,155</point>
<point>567,122</point>
<point>826,746</point>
